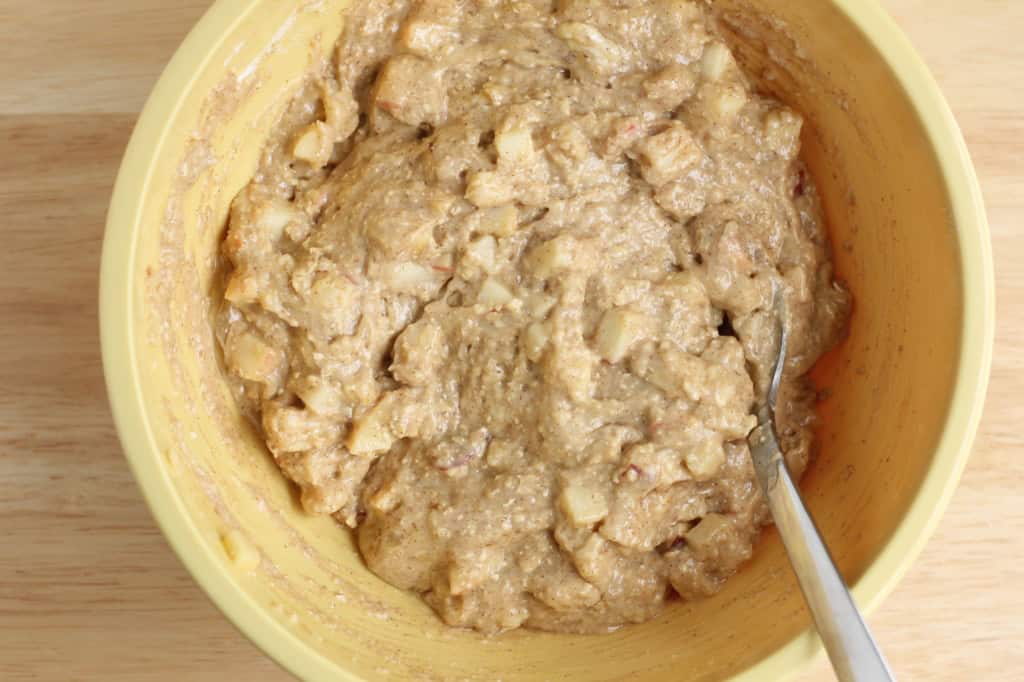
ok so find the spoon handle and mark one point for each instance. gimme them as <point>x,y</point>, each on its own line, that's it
<point>853,652</point>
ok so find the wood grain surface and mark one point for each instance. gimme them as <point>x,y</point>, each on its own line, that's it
<point>89,590</point>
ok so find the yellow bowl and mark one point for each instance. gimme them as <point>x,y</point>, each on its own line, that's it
<point>907,387</point>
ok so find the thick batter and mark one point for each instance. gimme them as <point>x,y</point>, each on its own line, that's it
<point>500,294</point>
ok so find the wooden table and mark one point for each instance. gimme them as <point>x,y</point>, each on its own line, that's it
<point>88,588</point>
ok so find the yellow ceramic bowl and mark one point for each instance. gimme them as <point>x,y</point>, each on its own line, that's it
<point>906,388</point>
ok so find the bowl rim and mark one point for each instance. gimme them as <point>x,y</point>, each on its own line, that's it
<point>284,646</point>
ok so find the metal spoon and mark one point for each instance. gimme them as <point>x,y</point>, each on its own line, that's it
<point>853,652</point>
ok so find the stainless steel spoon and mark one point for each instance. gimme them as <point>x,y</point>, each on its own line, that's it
<point>853,652</point>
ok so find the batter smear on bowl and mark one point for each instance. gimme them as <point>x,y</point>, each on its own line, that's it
<point>500,296</point>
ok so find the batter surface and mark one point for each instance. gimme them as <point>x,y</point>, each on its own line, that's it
<point>500,296</point>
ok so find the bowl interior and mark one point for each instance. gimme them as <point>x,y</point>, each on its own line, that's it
<point>296,584</point>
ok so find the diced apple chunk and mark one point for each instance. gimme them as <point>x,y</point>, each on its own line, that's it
<point>361,388</point>
<point>292,429</point>
<point>417,353</point>
<point>602,55</point>
<point>444,263</point>
<point>253,359</point>
<point>668,155</point>
<point>553,256</point>
<point>715,60</point>
<point>423,37</point>
<point>493,294</point>
<point>275,216</point>
<point>411,89</point>
<point>487,189</point>
<point>535,340</point>
<point>708,532</point>
<point>481,252</point>
<point>595,561</point>
<point>539,305</point>
<point>242,288</point>
<point>584,506</point>
<point>658,465</point>
<point>408,278</point>
<point>336,301</point>
<point>671,86</point>
<point>319,396</point>
<point>341,113</point>
<point>705,459</point>
<point>727,103</point>
<point>623,133</point>
<point>515,145</point>
<point>440,204</point>
<point>371,434</point>
<point>500,221</point>
<point>618,330</point>
<point>677,373</point>
<point>314,144</point>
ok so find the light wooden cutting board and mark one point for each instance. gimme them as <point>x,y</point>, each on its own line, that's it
<point>88,588</point>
